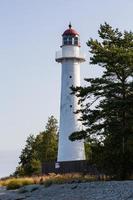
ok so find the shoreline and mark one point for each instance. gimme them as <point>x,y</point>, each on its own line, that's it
<point>98,190</point>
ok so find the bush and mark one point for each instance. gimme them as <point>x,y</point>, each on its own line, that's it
<point>14,184</point>
<point>17,183</point>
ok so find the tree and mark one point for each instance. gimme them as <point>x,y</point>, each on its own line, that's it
<point>38,149</point>
<point>46,142</point>
<point>107,101</point>
<point>29,163</point>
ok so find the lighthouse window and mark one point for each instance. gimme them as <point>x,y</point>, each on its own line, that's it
<point>70,106</point>
<point>65,40</point>
<point>76,40</point>
<point>70,76</point>
<point>70,40</point>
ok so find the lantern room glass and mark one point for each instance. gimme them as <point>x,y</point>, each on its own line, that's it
<point>69,40</point>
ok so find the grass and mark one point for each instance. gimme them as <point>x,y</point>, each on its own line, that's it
<point>15,183</point>
<point>67,178</point>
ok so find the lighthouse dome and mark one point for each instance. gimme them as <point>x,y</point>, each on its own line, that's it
<point>70,31</point>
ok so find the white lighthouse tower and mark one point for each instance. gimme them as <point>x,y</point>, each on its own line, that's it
<point>70,57</point>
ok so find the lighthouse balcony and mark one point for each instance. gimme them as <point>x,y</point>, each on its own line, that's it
<point>69,55</point>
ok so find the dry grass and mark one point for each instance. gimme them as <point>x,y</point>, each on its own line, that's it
<point>14,183</point>
<point>67,178</point>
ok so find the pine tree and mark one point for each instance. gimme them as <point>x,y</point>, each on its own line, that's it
<point>38,149</point>
<point>107,101</point>
<point>29,163</point>
<point>46,141</point>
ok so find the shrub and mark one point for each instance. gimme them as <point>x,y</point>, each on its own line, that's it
<point>14,184</point>
<point>17,183</point>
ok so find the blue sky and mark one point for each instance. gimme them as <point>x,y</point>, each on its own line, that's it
<point>30,33</point>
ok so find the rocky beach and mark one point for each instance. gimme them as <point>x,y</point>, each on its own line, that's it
<point>100,190</point>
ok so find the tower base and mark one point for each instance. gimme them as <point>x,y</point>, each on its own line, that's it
<point>80,166</point>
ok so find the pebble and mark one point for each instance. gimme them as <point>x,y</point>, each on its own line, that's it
<point>109,190</point>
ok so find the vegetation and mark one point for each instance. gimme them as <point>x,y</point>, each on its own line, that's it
<point>15,183</point>
<point>106,113</point>
<point>69,178</point>
<point>107,102</point>
<point>38,149</point>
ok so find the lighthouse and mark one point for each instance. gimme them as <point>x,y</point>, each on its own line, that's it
<point>70,58</point>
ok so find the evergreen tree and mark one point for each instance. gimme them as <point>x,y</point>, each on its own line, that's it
<point>38,149</point>
<point>46,142</point>
<point>107,102</point>
<point>29,163</point>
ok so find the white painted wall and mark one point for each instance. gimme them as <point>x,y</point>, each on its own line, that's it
<point>67,150</point>
<point>70,51</point>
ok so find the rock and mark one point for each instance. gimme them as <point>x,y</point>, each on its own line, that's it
<point>75,181</point>
<point>74,187</point>
<point>107,190</point>
<point>28,188</point>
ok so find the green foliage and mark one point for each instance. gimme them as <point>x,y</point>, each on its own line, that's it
<point>107,102</point>
<point>17,183</point>
<point>88,151</point>
<point>29,163</point>
<point>38,149</point>
<point>46,142</point>
<point>13,185</point>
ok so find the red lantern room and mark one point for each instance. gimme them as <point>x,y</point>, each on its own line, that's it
<point>70,37</point>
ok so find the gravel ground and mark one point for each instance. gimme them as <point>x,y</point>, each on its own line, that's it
<point>111,190</point>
